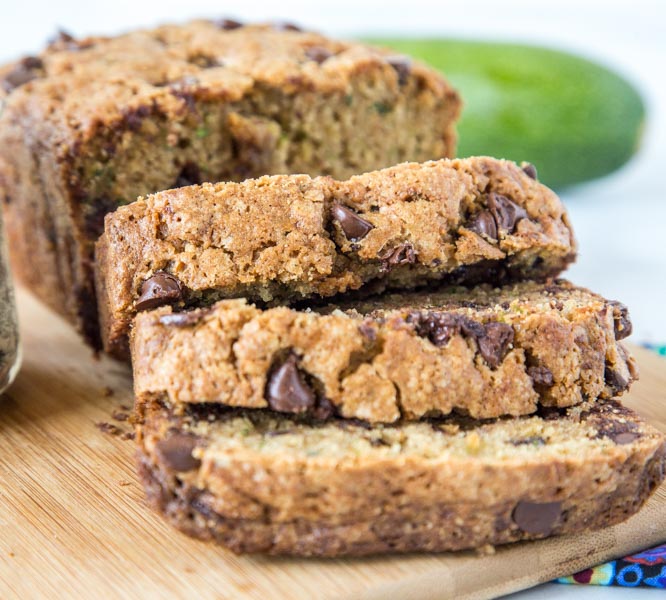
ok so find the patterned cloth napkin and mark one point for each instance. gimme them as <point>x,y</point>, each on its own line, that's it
<point>647,568</point>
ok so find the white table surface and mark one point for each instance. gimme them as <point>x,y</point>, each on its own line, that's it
<point>620,221</point>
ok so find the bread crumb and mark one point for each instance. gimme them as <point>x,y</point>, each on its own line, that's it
<point>486,550</point>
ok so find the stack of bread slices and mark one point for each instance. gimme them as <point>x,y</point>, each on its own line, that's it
<point>326,363</point>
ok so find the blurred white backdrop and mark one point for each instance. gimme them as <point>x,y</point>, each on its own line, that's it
<point>619,220</point>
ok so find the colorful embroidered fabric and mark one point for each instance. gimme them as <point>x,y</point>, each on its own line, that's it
<point>647,568</point>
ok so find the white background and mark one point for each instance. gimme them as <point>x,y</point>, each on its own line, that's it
<point>620,221</point>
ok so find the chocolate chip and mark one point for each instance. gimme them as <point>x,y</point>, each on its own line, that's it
<point>621,322</point>
<point>506,212</point>
<point>190,174</point>
<point>354,227</point>
<point>184,319</point>
<point>318,54</point>
<point>402,66</point>
<point>29,68</point>
<point>439,328</point>
<point>494,345</point>
<point>162,288</point>
<point>537,518</point>
<point>228,24</point>
<point>286,27</point>
<point>133,117</point>
<point>530,170</point>
<point>541,376</point>
<point>176,452</point>
<point>626,437</point>
<point>615,380</point>
<point>471,329</point>
<point>483,223</point>
<point>400,255</point>
<point>493,339</point>
<point>287,390</point>
<point>367,330</point>
<point>325,409</point>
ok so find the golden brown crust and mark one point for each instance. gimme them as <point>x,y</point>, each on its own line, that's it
<point>102,121</point>
<point>261,483</point>
<point>403,355</point>
<point>280,239</point>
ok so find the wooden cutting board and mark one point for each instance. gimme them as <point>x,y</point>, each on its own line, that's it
<point>73,522</point>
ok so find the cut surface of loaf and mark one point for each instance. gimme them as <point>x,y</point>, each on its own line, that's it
<point>261,482</point>
<point>287,238</point>
<point>485,352</point>
<point>92,124</point>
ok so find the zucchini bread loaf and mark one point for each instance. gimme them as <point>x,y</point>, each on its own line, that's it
<point>92,124</point>
<point>483,352</point>
<point>261,482</point>
<point>287,238</point>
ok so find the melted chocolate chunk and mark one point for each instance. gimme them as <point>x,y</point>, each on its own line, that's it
<point>400,255</point>
<point>493,339</point>
<point>368,331</point>
<point>25,70</point>
<point>325,409</point>
<point>541,376</point>
<point>228,24</point>
<point>437,327</point>
<point>184,319</point>
<point>402,66</point>
<point>625,437</point>
<point>162,288</point>
<point>494,345</point>
<point>133,118</point>
<point>615,380</point>
<point>287,390</point>
<point>621,322</point>
<point>506,212</point>
<point>354,227</point>
<point>318,54</point>
<point>530,170</point>
<point>471,328</point>
<point>176,452</point>
<point>190,174</point>
<point>537,518</point>
<point>483,223</point>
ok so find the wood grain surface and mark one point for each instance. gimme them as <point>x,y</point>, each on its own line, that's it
<point>73,522</point>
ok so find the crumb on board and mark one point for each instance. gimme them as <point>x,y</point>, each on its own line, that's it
<point>107,391</point>
<point>114,430</point>
<point>119,415</point>
<point>124,483</point>
<point>486,550</point>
